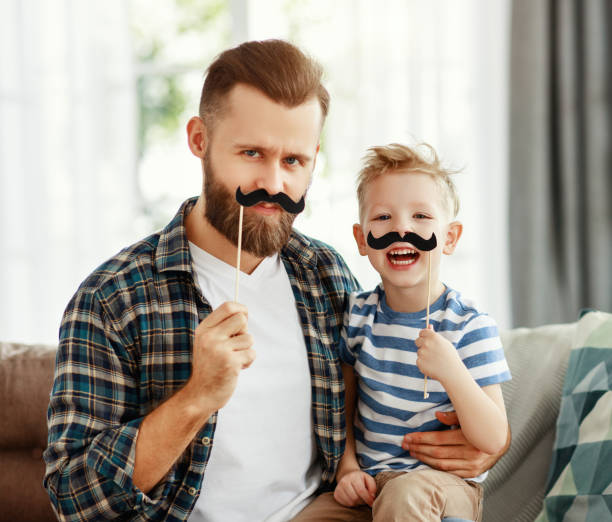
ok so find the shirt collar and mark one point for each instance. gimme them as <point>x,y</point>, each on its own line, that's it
<point>172,252</point>
<point>299,249</point>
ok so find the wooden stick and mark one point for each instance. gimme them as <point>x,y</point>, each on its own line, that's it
<point>425,394</point>
<point>238,254</point>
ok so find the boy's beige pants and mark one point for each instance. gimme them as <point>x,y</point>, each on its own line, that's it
<point>422,495</point>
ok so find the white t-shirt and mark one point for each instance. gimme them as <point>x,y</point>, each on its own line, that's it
<point>263,463</point>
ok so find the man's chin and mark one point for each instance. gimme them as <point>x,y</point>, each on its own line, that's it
<point>265,247</point>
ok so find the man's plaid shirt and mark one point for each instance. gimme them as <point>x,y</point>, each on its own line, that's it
<point>125,346</point>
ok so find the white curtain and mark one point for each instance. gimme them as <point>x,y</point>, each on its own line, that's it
<point>397,70</point>
<point>67,154</point>
<point>410,70</point>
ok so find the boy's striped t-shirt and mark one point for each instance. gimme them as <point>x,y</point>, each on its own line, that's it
<point>379,343</point>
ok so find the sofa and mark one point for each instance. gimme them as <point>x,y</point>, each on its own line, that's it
<point>515,489</point>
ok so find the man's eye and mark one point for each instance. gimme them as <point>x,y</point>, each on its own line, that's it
<point>291,160</point>
<point>250,153</point>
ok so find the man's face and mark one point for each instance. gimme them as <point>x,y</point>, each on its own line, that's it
<point>257,144</point>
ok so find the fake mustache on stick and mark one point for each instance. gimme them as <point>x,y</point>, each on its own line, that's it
<point>382,242</point>
<point>259,195</point>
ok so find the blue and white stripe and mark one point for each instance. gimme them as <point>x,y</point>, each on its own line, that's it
<point>379,343</point>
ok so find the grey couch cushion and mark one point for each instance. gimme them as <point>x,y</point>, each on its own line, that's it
<point>537,358</point>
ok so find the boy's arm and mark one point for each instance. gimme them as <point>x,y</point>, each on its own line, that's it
<point>481,411</point>
<point>354,487</point>
<point>348,462</point>
<point>449,450</point>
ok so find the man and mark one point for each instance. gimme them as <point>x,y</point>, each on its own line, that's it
<point>157,365</point>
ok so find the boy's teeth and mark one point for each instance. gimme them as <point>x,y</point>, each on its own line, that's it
<point>397,257</point>
<point>407,262</point>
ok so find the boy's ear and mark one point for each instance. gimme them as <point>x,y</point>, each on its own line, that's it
<point>197,136</point>
<point>452,237</point>
<point>359,238</point>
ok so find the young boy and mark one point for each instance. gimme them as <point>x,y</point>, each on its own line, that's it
<point>387,351</point>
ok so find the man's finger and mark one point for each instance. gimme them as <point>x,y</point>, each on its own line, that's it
<point>233,324</point>
<point>239,342</point>
<point>437,438</point>
<point>222,312</point>
<point>444,452</point>
<point>246,357</point>
<point>449,418</point>
<point>450,465</point>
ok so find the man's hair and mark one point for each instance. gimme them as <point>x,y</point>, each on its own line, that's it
<point>277,68</point>
<point>400,158</point>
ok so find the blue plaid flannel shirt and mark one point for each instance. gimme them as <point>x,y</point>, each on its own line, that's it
<point>125,346</point>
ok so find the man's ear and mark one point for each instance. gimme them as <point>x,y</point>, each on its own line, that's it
<point>197,136</point>
<point>453,234</point>
<point>359,238</point>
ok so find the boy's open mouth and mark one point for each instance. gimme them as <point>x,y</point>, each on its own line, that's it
<point>403,256</point>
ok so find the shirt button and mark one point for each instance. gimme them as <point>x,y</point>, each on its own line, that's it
<point>206,441</point>
<point>192,491</point>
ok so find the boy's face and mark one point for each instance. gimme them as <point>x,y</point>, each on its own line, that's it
<point>406,202</point>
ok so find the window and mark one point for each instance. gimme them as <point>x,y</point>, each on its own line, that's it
<point>79,180</point>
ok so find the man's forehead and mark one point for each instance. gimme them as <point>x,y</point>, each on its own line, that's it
<point>253,120</point>
<point>243,95</point>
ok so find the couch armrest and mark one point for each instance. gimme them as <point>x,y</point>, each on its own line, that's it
<point>26,377</point>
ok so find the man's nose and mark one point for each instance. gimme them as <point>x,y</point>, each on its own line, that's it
<point>271,179</point>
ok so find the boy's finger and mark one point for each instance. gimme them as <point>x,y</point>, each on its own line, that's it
<point>370,484</point>
<point>364,494</point>
<point>354,495</point>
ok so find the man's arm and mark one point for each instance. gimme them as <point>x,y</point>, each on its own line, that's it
<point>449,450</point>
<point>222,348</point>
<point>102,456</point>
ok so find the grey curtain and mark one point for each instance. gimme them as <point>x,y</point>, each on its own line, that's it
<point>560,160</point>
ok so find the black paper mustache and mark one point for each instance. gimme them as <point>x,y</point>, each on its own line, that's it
<point>252,198</point>
<point>382,242</point>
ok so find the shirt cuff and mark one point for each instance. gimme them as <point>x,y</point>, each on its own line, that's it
<point>113,454</point>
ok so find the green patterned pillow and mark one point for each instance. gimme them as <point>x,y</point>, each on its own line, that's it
<point>580,475</point>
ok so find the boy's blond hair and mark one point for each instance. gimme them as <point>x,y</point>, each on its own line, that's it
<point>396,157</point>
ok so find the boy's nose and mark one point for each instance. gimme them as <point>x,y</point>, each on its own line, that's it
<point>404,228</point>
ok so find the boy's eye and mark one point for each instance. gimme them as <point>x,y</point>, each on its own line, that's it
<point>419,215</point>
<point>382,217</point>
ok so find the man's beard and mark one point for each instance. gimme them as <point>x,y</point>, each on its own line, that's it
<point>261,236</point>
